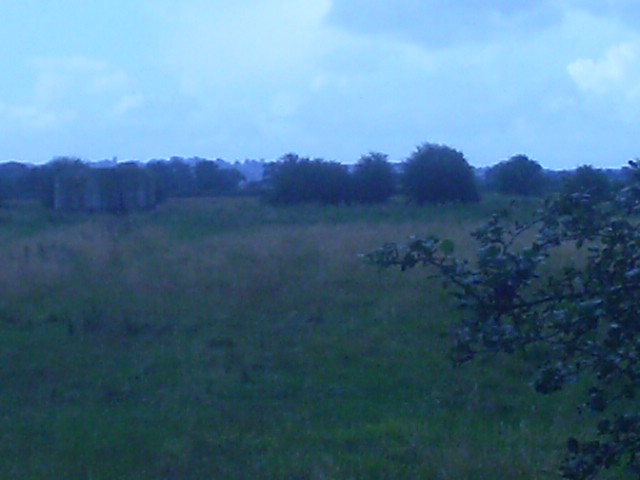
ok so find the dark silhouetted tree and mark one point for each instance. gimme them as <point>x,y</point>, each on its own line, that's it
<point>590,181</point>
<point>374,179</point>
<point>294,179</point>
<point>211,180</point>
<point>517,176</point>
<point>15,181</point>
<point>437,174</point>
<point>174,178</point>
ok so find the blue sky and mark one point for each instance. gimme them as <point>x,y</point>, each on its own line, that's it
<point>557,80</point>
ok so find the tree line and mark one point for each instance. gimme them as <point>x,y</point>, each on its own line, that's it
<point>433,173</point>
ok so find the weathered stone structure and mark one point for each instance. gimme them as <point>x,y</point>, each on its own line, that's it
<point>121,189</point>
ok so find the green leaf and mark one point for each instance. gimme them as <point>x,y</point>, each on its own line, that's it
<point>447,247</point>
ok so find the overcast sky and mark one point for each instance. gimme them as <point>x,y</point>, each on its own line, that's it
<point>557,80</point>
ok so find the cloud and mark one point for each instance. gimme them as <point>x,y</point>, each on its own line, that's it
<point>128,103</point>
<point>439,23</point>
<point>67,79</point>
<point>245,71</point>
<point>70,89</point>
<point>30,117</point>
<point>617,72</point>
<point>243,43</point>
<point>624,11</point>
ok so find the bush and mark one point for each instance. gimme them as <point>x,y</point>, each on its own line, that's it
<point>438,174</point>
<point>373,179</point>
<point>296,179</point>
<point>584,316</point>
<point>517,176</point>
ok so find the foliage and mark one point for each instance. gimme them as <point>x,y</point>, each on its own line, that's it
<point>211,180</point>
<point>517,176</point>
<point>582,317</point>
<point>174,177</point>
<point>438,174</point>
<point>15,181</point>
<point>296,179</point>
<point>590,181</point>
<point>373,179</point>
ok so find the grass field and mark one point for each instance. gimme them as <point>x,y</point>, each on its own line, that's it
<point>228,339</point>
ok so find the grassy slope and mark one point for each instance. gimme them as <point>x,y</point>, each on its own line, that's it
<point>226,339</point>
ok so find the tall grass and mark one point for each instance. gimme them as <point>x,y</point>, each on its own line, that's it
<point>228,339</point>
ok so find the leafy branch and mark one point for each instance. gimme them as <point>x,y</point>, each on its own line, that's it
<point>583,312</point>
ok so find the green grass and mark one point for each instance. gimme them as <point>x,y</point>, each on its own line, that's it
<point>230,339</point>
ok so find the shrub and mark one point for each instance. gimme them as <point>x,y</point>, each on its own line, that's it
<point>438,174</point>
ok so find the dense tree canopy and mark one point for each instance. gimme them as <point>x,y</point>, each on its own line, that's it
<point>517,176</point>
<point>374,179</point>
<point>438,173</point>
<point>294,179</point>
<point>16,180</point>
<point>211,180</point>
<point>590,181</point>
<point>175,177</point>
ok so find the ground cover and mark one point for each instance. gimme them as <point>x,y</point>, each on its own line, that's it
<point>228,339</point>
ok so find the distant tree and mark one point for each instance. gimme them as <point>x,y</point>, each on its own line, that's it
<point>174,178</point>
<point>555,180</point>
<point>438,173</point>
<point>373,179</point>
<point>15,180</point>
<point>590,181</point>
<point>294,179</point>
<point>517,176</point>
<point>212,180</point>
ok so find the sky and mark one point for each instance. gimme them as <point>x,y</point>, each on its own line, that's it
<point>556,80</point>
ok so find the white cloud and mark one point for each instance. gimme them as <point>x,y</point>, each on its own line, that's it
<point>618,71</point>
<point>67,79</point>
<point>438,23</point>
<point>244,43</point>
<point>70,89</point>
<point>128,103</point>
<point>31,117</point>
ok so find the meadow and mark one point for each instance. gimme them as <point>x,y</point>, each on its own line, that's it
<point>227,339</point>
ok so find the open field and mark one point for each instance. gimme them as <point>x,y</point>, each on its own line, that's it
<point>228,339</point>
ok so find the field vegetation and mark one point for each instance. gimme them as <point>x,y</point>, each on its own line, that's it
<point>226,338</point>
